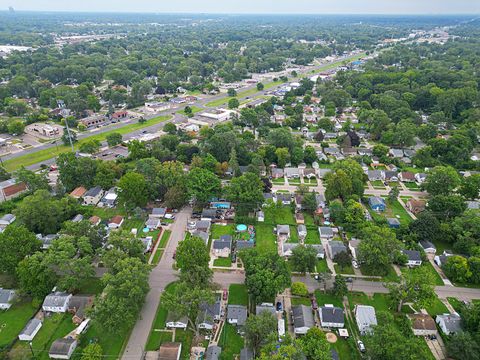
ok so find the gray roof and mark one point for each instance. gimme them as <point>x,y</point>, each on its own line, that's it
<point>426,244</point>
<point>302,316</point>
<point>376,200</point>
<point>6,296</point>
<point>244,244</point>
<point>8,218</point>
<point>288,246</point>
<point>413,255</point>
<point>473,205</point>
<point>318,248</point>
<point>290,171</point>
<point>56,299</point>
<point>332,314</point>
<point>203,224</point>
<point>93,192</point>
<point>208,312</point>
<point>336,247</point>
<point>213,352</point>
<point>366,315</point>
<point>246,354</point>
<point>201,234</point>
<point>209,213</point>
<point>62,346</point>
<point>320,198</point>
<point>222,244</point>
<point>159,211</point>
<point>393,222</point>
<point>238,312</point>
<point>452,322</point>
<point>374,174</point>
<point>31,326</point>
<point>284,197</point>
<point>265,307</point>
<point>302,228</point>
<point>325,230</point>
<point>283,229</point>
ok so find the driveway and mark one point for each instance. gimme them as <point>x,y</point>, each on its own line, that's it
<point>160,277</point>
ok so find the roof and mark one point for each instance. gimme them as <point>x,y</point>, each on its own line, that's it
<point>393,222</point>
<point>117,219</point>
<point>78,192</point>
<point>246,354</point>
<point>213,352</point>
<point>31,326</point>
<point>422,322</point>
<point>222,244</point>
<point>325,230</point>
<point>354,243</point>
<point>336,247</point>
<point>244,244</point>
<point>452,321</point>
<point>283,229</point>
<point>265,307</point>
<point>365,315</point>
<point>8,218</point>
<point>332,314</point>
<point>159,211</point>
<point>56,299</point>
<point>62,346</point>
<point>6,296</point>
<point>302,316</point>
<point>93,192</point>
<point>209,213</point>
<point>169,351</point>
<point>207,312</point>
<point>238,312</point>
<point>94,220</point>
<point>14,189</point>
<point>302,228</point>
<point>426,244</point>
<point>376,200</point>
<point>413,255</point>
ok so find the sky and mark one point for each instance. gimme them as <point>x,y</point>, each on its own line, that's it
<point>254,6</point>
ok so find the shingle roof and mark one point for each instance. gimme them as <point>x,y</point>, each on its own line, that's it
<point>302,316</point>
<point>56,299</point>
<point>93,192</point>
<point>222,244</point>
<point>265,307</point>
<point>213,352</point>
<point>6,296</point>
<point>31,326</point>
<point>331,314</point>
<point>412,255</point>
<point>366,315</point>
<point>422,322</point>
<point>238,312</point>
<point>61,346</point>
<point>452,322</point>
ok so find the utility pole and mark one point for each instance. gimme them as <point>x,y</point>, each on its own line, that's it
<point>31,349</point>
<point>61,106</point>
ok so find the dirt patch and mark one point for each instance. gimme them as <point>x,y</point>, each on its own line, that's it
<point>331,338</point>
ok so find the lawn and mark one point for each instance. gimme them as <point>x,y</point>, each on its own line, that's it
<point>112,344</point>
<point>157,338</point>
<point>91,286</point>
<point>313,237</point>
<point>293,234</point>
<point>279,215</point>
<point>326,298</point>
<point>310,182</point>
<point>309,221</point>
<point>437,308</point>
<point>185,337</point>
<point>164,240</point>
<point>411,186</point>
<point>280,181</point>
<point>230,342</point>
<point>348,270</point>
<point>394,210</point>
<point>224,262</point>
<point>218,102</point>
<point>429,267</point>
<point>46,154</point>
<point>391,275</point>
<point>130,224</point>
<point>195,109</point>
<point>219,230</point>
<point>107,213</point>
<point>265,238</point>
<point>237,294</point>
<point>157,257</point>
<point>322,266</point>
<point>378,301</point>
<point>13,320</point>
<point>301,301</point>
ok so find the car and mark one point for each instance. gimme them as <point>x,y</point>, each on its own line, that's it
<point>355,264</point>
<point>314,303</point>
<point>225,294</point>
<point>316,277</point>
<point>144,132</point>
<point>349,280</point>
<point>279,306</point>
<point>174,255</point>
<point>361,346</point>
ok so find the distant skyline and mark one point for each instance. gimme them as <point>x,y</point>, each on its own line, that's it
<point>253,6</point>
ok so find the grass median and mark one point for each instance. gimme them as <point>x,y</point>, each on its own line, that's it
<point>46,154</point>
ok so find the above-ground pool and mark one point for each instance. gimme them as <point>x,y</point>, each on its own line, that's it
<point>241,227</point>
<point>145,230</point>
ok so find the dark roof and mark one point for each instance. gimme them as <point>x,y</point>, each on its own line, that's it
<point>61,346</point>
<point>222,244</point>
<point>244,244</point>
<point>31,326</point>
<point>213,352</point>
<point>332,314</point>
<point>209,213</point>
<point>413,255</point>
<point>302,316</point>
<point>208,312</point>
<point>93,191</point>
<point>238,312</point>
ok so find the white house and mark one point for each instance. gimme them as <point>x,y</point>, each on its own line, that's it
<point>30,330</point>
<point>6,298</point>
<point>302,231</point>
<point>331,316</point>
<point>302,318</point>
<point>56,302</point>
<point>174,322</point>
<point>62,348</point>
<point>366,318</point>
<point>7,219</point>
<point>93,196</point>
<point>413,257</point>
<point>449,323</point>
<point>115,222</point>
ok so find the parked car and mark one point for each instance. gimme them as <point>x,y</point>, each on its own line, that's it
<point>279,306</point>
<point>314,303</point>
<point>355,264</point>
<point>361,346</point>
<point>225,294</point>
<point>349,280</point>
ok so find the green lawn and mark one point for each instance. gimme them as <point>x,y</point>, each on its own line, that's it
<point>225,262</point>
<point>301,301</point>
<point>313,237</point>
<point>195,109</point>
<point>112,344</point>
<point>130,224</point>
<point>218,102</point>
<point>411,186</point>
<point>429,267</point>
<point>391,275</point>
<point>157,257</point>
<point>219,230</point>
<point>309,221</point>
<point>108,213</point>
<point>159,322</point>
<point>436,308</point>
<point>322,266</point>
<point>348,270</point>
<point>393,210</point>
<point>46,154</point>
<point>164,240</point>
<point>310,182</point>
<point>157,338</point>
<point>378,301</point>
<point>293,234</point>
<point>185,337</point>
<point>91,286</point>
<point>237,294</point>
<point>265,238</point>
<point>327,298</point>
<point>13,320</point>
<point>230,342</point>
<point>280,215</point>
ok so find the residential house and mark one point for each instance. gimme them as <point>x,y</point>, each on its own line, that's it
<point>302,318</point>
<point>420,177</point>
<point>284,198</point>
<point>158,213</point>
<point>7,219</point>
<point>208,314</point>
<point>287,248</point>
<point>223,246</point>
<point>77,218</point>
<point>93,196</point>
<point>47,240</point>
<point>390,175</point>
<point>115,222</point>
<point>78,305</point>
<point>325,232</point>
<point>298,201</point>
<point>473,205</point>
<point>277,173</point>
<point>283,232</point>
<point>428,247</point>
<point>331,316</point>
<point>202,225</point>
<point>319,249</point>
<point>62,348</point>
<point>309,173</point>
<point>202,235</point>
<point>413,257</point>
<point>375,175</point>
<point>268,307</point>
<point>209,214</point>
<point>353,247</point>
<point>6,298</point>
<point>396,153</point>
<point>147,244</point>
<point>170,351</point>
<point>449,323</point>
<point>260,216</point>
<point>95,220</point>
<point>292,173</point>
<point>335,248</point>
<point>407,176</point>
<point>322,172</point>
<point>366,318</point>
<point>152,223</point>
<point>174,322</point>
<point>321,201</point>
<point>109,199</point>
<point>10,189</point>
<point>56,302</point>
<point>299,218</point>
<point>213,352</point>
<point>236,314</point>
<point>78,192</point>
<point>441,260</point>
<point>394,223</point>
<point>364,152</point>
<point>416,206</point>
<point>377,203</point>
<point>267,197</point>
<point>423,325</point>
<point>302,232</point>
<point>30,330</point>
<point>332,151</point>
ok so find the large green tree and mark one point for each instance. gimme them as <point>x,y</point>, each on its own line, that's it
<point>192,258</point>
<point>133,190</point>
<point>16,242</point>
<point>303,259</point>
<point>441,180</point>
<point>202,184</point>
<point>246,192</point>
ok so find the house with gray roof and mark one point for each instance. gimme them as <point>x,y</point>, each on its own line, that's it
<point>284,199</point>
<point>175,322</point>
<point>93,196</point>
<point>56,302</point>
<point>283,231</point>
<point>6,298</point>
<point>202,235</point>
<point>236,314</point>
<point>331,316</point>
<point>208,314</point>
<point>158,212</point>
<point>449,323</point>
<point>30,330</point>
<point>7,219</point>
<point>366,318</point>
<point>213,352</point>
<point>374,175</point>
<point>319,249</point>
<point>321,172</point>
<point>265,307</point>
<point>396,153</point>
<point>353,247</point>
<point>413,257</point>
<point>287,248</point>
<point>223,246</point>
<point>302,231</point>
<point>302,318</point>
<point>277,173</point>
<point>428,247</point>
<point>292,173</point>
<point>335,248</point>
<point>325,232</point>
<point>62,348</point>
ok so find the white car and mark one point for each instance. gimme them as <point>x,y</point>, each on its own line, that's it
<point>355,264</point>
<point>361,346</point>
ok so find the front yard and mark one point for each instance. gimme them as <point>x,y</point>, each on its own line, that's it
<point>237,294</point>
<point>230,342</point>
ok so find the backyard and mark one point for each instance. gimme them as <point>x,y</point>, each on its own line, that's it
<point>13,320</point>
<point>237,294</point>
<point>230,342</point>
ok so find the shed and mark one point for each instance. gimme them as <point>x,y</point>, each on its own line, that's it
<point>30,330</point>
<point>62,348</point>
<point>366,318</point>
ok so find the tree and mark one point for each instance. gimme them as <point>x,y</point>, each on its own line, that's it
<point>231,92</point>
<point>417,286</point>
<point>346,180</point>
<point>260,86</point>
<point>126,286</point>
<point>463,346</point>
<point>192,258</point>
<point>107,174</point>
<point>266,274</point>
<point>176,197</point>
<point>393,193</point>
<point>287,349</point>
<point>378,249</point>
<point>202,184</point>
<point>340,288</point>
<point>303,259</point>
<point>34,181</point>
<point>133,190</point>
<point>446,207</point>
<point>441,180</point>
<point>426,226</point>
<point>170,128</point>
<point>354,217</point>
<point>283,157</point>
<point>315,345</point>
<point>470,187</point>
<point>69,136</point>
<point>257,330</point>
<point>84,228</point>
<point>35,277</point>
<point>92,352</point>
<point>115,139</point>
<point>474,265</point>
<point>233,103</point>
<point>90,146</point>
<point>342,259</point>
<point>16,242</point>
<point>246,192</point>
<point>233,163</point>
<point>16,127</point>
<point>457,269</point>
<point>299,289</point>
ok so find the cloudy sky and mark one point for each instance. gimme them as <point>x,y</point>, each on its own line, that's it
<point>254,6</point>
